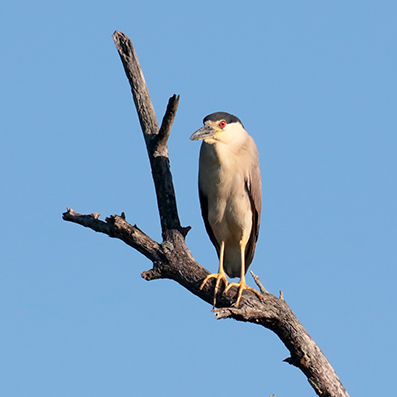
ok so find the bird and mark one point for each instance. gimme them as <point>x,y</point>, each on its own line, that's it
<point>230,192</point>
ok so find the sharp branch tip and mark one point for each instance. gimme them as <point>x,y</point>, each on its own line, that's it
<point>258,283</point>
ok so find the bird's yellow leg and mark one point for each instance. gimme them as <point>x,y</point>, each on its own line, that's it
<point>220,276</point>
<point>242,285</point>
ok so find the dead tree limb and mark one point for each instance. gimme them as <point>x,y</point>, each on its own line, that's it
<point>172,259</point>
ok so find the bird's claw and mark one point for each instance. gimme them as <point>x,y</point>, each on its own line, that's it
<point>241,287</point>
<point>219,277</point>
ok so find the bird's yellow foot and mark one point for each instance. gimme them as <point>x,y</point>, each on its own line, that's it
<point>221,276</point>
<point>241,285</point>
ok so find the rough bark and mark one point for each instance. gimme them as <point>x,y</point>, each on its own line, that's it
<point>172,259</point>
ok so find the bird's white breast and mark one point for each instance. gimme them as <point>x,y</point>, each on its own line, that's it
<point>223,182</point>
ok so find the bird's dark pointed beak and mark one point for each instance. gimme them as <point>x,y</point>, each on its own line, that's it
<point>202,133</point>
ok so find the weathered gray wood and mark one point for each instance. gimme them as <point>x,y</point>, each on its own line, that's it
<point>173,260</point>
<point>155,138</point>
<point>117,227</point>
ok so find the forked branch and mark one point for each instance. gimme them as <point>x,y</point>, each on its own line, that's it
<point>172,259</point>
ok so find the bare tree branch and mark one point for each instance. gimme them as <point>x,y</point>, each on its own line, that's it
<point>258,282</point>
<point>156,143</point>
<point>117,227</point>
<point>140,93</point>
<point>166,125</point>
<point>173,260</point>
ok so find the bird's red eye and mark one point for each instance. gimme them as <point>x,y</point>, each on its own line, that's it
<point>222,124</point>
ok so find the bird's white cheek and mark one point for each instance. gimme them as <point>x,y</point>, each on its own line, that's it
<point>220,136</point>
<point>210,141</point>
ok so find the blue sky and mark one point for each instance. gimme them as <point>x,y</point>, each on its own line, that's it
<point>314,83</point>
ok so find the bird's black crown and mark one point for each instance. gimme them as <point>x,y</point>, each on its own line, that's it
<point>229,118</point>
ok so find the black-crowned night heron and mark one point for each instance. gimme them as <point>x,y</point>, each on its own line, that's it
<point>230,196</point>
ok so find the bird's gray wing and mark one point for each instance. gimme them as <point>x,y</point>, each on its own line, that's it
<point>204,213</point>
<point>253,188</point>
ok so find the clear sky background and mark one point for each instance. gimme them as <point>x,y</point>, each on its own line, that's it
<point>314,82</point>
